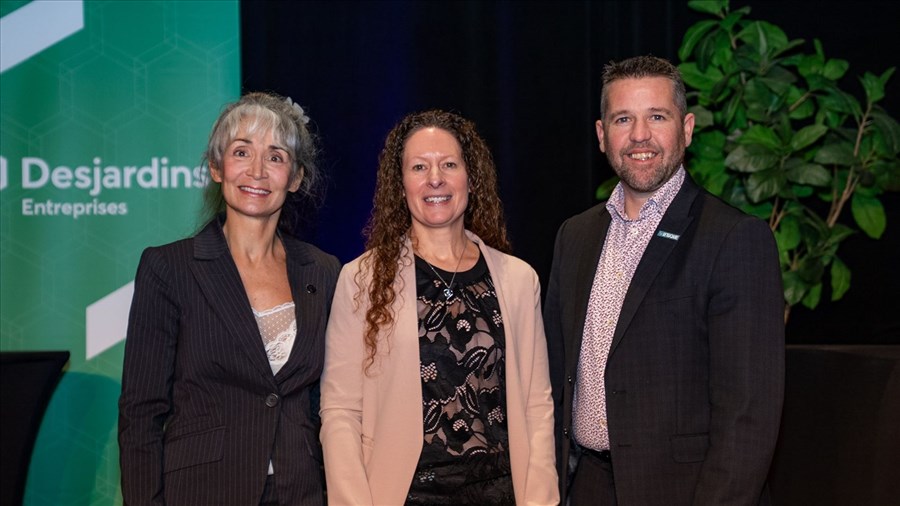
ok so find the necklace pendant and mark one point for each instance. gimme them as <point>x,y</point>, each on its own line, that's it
<point>448,293</point>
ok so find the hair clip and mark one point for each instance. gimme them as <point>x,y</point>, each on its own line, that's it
<point>303,117</point>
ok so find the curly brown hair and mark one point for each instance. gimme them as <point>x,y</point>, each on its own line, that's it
<point>390,221</point>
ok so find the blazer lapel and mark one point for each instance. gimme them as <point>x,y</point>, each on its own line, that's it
<point>674,223</point>
<point>220,282</point>
<point>585,271</point>
<point>304,275</point>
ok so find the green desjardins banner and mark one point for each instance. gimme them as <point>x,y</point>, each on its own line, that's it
<point>105,108</point>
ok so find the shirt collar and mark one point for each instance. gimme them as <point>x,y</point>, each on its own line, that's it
<point>657,203</point>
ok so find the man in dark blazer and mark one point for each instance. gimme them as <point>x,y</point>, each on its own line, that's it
<point>664,317</point>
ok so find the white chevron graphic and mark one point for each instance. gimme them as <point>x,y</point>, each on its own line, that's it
<point>3,175</point>
<point>34,27</point>
<point>106,321</point>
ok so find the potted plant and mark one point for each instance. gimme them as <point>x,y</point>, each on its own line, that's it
<point>776,136</point>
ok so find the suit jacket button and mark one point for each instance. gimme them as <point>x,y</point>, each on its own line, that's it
<point>569,379</point>
<point>272,400</point>
<point>566,433</point>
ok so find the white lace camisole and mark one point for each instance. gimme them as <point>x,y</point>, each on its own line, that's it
<point>278,328</point>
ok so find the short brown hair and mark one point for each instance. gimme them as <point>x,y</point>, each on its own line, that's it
<point>644,66</point>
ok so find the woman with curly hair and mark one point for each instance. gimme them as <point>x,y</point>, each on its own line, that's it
<point>436,387</point>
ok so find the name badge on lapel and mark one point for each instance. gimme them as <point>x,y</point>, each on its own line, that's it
<point>668,235</point>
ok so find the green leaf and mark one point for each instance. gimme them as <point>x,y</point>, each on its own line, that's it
<point>794,287</point>
<point>790,45</point>
<point>722,89</point>
<point>806,136</point>
<point>733,17</point>
<point>715,182</point>
<point>835,69</point>
<point>709,146</point>
<point>747,59</point>
<point>703,117</point>
<point>830,118</point>
<point>811,269</point>
<point>809,66</point>
<point>788,234</point>
<point>887,174</point>
<point>838,153</point>
<point>751,158</point>
<point>606,188</point>
<point>734,109</point>
<point>840,279</point>
<point>705,51</point>
<point>759,100</point>
<point>804,107</point>
<point>764,37</point>
<point>809,174</point>
<point>820,51</point>
<point>763,210</point>
<point>836,100</point>
<point>817,82</point>
<point>781,73</point>
<point>778,86</point>
<point>839,233</point>
<point>869,215</point>
<point>873,86</point>
<point>794,59</point>
<point>695,34</point>
<point>811,300</point>
<point>764,184</point>
<point>714,7</point>
<point>722,54</point>
<point>801,191</point>
<point>697,79</point>
<point>761,135</point>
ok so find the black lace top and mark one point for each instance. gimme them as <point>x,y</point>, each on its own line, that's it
<point>465,455</point>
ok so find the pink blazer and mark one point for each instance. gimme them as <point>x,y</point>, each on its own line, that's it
<point>372,428</point>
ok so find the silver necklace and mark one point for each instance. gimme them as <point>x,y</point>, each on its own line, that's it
<point>448,291</point>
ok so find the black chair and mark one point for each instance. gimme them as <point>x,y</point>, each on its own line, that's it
<point>840,432</point>
<point>27,381</point>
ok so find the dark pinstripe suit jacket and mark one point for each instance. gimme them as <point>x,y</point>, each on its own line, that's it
<point>694,378</point>
<point>201,414</point>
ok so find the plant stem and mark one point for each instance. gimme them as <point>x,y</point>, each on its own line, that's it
<point>837,204</point>
<point>861,130</point>
<point>799,102</point>
<point>777,214</point>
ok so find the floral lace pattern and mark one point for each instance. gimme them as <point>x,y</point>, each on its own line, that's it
<point>278,329</point>
<point>465,457</point>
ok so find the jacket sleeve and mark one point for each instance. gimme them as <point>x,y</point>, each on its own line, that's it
<point>145,402</point>
<point>342,403</point>
<point>542,481</point>
<point>556,351</point>
<point>746,369</point>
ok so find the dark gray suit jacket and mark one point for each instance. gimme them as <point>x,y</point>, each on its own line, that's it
<point>201,414</point>
<point>695,374</point>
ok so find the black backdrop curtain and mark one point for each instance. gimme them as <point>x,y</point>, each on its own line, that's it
<point>528,74</point>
